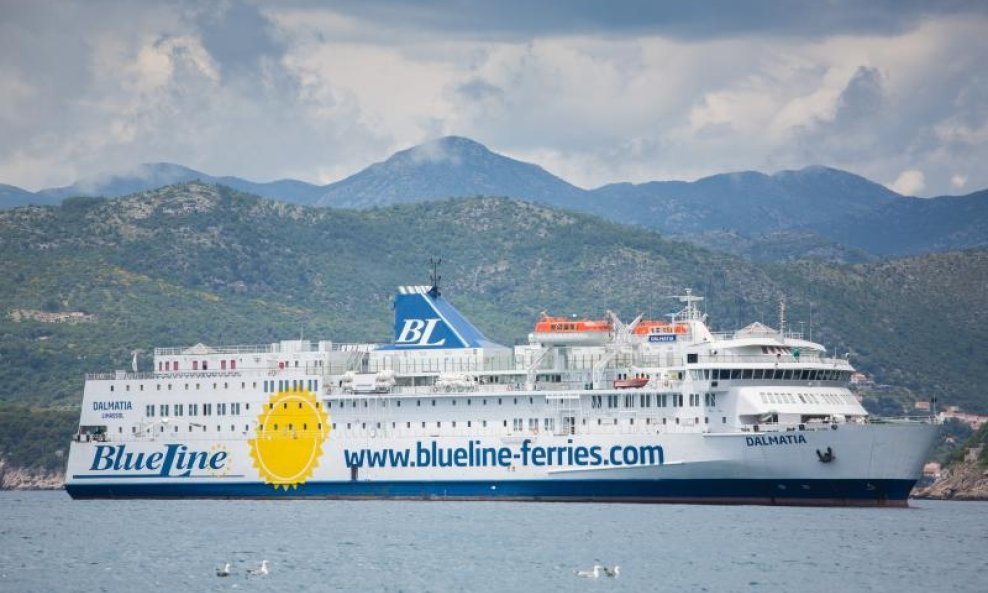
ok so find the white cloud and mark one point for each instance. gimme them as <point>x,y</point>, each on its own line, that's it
<point>909,183</point>
<point>958,181</point>
<point>325,92</point>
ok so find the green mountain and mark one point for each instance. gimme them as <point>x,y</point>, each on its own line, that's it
<point>195,262</point>
<point>814,212</point>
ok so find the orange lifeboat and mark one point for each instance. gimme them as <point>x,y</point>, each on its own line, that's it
<point>565,330</point>
<point>633,383</point>
<point>647,327</point>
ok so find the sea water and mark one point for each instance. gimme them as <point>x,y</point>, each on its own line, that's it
<point>50,543</point>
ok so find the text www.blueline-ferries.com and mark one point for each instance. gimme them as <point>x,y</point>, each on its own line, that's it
<point>430,454</point>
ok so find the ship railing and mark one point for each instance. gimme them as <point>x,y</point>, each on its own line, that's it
<point>126,375</point>
<point>793,335</point>
<point>238,349</point>
<point>810,358</point>
<point>119,375</point>
<point>441,365</point>
<point>926,419</point>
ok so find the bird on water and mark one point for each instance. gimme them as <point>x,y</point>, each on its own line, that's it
<point>589,574</point>
<point>260,571</point>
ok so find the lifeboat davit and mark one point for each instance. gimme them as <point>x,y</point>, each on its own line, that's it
<point>569,331</point>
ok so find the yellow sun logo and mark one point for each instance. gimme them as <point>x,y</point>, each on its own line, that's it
<point>287,443</point>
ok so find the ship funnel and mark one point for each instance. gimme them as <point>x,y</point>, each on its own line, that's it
<point>426,320</point>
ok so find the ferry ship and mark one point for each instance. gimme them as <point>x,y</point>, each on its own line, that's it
<point>587,410</point>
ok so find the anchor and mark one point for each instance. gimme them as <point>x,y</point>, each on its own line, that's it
<point>827,456</point>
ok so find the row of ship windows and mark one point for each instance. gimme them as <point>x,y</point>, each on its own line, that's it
<point>220,409</point>
<point>178,410</point>
<point>662,400</point>
<point>197,365</point>
<point>192,426</point>
<point>806,398</point>
<point>418,402</point>
<point>517,424</point>
<point>168,365</point>
<point>771,374</point>
<point>274,386</point>
<point>197,386</point>
<point>269,386</point>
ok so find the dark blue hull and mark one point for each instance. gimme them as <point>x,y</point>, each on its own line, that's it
<point>781,492</point>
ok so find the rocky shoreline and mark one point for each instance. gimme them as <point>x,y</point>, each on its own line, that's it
<point>19,478</point>
<point>966,480</point>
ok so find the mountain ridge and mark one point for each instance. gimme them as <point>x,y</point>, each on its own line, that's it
<point>820,203</point>
<point>451,166</point>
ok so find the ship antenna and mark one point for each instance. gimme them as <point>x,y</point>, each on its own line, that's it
<point>434,277</point>
<point>782,316</point>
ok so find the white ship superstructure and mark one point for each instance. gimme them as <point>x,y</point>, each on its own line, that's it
<point>663,411</point>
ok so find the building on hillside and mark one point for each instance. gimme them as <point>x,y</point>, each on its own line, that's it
<point>973,420</point>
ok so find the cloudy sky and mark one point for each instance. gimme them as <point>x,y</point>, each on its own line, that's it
<point>596,92</point>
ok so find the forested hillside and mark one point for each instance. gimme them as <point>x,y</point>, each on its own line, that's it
<point>195,262</point>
